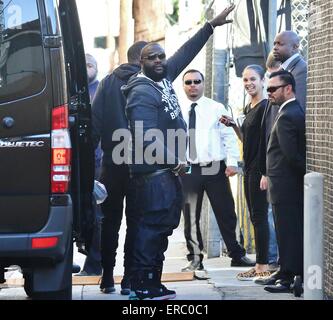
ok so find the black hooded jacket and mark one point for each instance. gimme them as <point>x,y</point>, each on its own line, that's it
<point>155,106</point>
<point>108,109</point>
<point>150,107</point>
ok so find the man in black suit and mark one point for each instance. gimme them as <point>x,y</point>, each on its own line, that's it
<point>285,173</point>
<point>286,50</point>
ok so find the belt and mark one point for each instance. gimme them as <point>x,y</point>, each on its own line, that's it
<point>151,174</point>
<point>205,164</point>
<point>202,164</point>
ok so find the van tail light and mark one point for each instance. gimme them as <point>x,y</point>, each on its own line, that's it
<point>60,117</point>
<point>44,243</point>
<point>61,151</point>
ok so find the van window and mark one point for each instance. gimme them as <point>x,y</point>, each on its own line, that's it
<point>21,51</point>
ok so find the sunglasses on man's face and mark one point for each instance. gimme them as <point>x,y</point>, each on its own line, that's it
<point>273,89</point>
<point>190,82</point>
<point>154,56</point>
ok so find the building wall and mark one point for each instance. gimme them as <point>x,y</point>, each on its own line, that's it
<point>150,21</point>
<point>98,21</point>
<point>319,117</point>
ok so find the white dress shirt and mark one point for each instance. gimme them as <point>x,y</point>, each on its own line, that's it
<point>285,103</point>
<point>214,141</point>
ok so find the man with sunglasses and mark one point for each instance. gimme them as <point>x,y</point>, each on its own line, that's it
<point>154,113</point>
<point>285,174</point>
<point>212,145</point>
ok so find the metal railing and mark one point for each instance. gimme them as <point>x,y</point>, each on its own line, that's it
<point>300,22</point>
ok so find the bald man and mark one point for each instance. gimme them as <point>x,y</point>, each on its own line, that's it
<point>286,50</point>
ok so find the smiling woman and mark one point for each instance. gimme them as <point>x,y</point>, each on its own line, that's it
<point>249,133</point>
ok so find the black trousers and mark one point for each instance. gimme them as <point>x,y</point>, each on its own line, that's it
<point>92,263</point>
<point>159,200</point>
<point>258,207</point>
<point>220,196</point>
<point>117,182</point>
<point>289,231</point>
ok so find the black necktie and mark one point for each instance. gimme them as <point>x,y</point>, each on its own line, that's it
<point>191,124</point>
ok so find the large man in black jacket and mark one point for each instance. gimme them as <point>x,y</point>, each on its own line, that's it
<point>154,112</point>
<point>286,50</point>
<point>285,173</point>
<point>108,115</point>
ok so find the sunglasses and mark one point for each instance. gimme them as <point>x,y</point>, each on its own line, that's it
<point>153,57</point>
<point>273,89</point>
<point>189,82</point>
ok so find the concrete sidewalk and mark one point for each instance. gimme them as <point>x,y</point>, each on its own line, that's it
<point>221,285</point>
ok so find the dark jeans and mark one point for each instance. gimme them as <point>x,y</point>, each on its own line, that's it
<point>258,207</point>
<point>159,200</point>
<point>220,196</point>
<point>117,182</point>
<point>273,255</point>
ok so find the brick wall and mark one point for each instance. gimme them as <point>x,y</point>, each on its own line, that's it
<point>320,117</point>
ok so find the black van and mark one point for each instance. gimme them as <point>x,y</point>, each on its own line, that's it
<point>46,153</point>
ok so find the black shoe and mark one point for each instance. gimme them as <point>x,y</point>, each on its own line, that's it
<point>280,286</point>
<point>267,281</point>
<point>297,286</point>
<point>107,284</point>
<point>242,262</point>
<point>193,265</point>
<point>125,286</point>
<point>171,294</point>
<point>76,268</point>
<point>107,288</point>
<point>160,293</point>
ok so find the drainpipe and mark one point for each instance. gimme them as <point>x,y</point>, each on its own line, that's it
<point>313,236</point>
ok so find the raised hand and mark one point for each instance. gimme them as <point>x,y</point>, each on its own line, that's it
<point>221,19</point>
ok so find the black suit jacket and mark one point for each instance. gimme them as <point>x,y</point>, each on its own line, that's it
<point>286,156</point>
<point>299,69</point>
<point>267,123</point>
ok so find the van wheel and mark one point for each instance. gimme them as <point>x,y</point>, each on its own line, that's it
<point>28,284</point>
<point>65,294</point>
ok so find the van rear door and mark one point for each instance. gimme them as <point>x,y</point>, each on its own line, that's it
<point>25,126</point>
<point>80,118</point>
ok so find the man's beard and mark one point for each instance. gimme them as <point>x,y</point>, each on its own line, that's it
<point>276,102</point>
<point>91,76</point>
<point>152,74</point>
